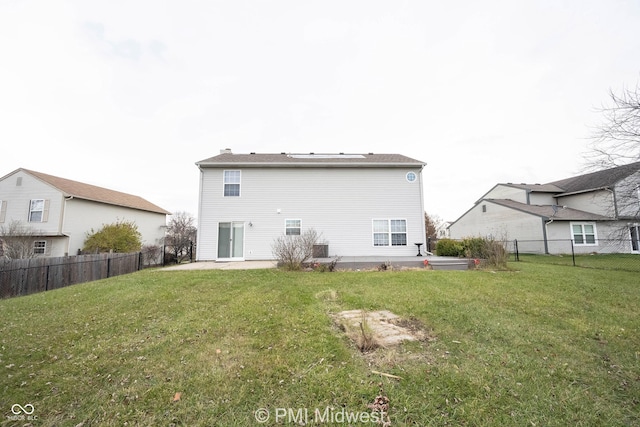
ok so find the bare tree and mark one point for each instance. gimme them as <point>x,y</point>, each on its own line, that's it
<point>181,233</point>
<point>431,224</point>
<point>293,251</point>
<point>17,241</point>
<point>617,141</point>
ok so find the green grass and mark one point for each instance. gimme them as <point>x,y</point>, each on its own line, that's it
<point>542,345</point>
<point>624,262</point>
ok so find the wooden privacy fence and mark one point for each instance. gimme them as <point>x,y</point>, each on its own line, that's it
<point>28,276</point>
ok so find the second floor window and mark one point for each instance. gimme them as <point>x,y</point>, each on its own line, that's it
<point>231,183</point>
<point>36,210</point>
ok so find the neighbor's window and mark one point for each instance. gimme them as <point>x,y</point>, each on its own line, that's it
<point>292,227</point>
<point>389,232</point>
<point>39,247</point>
<point>231,183</point>
<point>584,234</point>
<point>36,210</point>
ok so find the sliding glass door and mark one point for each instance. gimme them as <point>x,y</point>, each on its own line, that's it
<point>231,240</point>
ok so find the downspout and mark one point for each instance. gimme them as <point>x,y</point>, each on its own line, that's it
<point>199,229</point>
<point>422,211</point>
<point>63,222</point>
<point>545,222</point>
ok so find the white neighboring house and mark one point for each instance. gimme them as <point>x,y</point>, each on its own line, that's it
<point>60,212</point>
<point>362,204</point>
<point>599,212</point>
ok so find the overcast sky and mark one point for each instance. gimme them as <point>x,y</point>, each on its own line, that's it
<point>130,94</point>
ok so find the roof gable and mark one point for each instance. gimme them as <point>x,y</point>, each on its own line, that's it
<point>96,194</point>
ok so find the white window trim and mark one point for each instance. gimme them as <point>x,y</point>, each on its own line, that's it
<point>415,177</point>
<point>3,210</point>
<point>389,232</point>
<point>584,235</point>
<point>287,228</point>
<point>224,181</point>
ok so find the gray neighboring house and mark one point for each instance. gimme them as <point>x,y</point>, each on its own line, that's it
<point>599,211</point>
<point>362,204</point>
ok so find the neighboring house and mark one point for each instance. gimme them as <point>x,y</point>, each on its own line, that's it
<point>442,231</point>
<point>59,212</point>
<point>362,204</point>
<point>599,212</point>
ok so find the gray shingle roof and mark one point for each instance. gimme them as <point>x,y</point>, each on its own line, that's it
<point>600,179</point>
<point>309,160</point>
<point>549,211</point>
<point>96,194</point>
<point>540,188</point>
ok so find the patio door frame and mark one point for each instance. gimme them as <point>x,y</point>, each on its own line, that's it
<point>231,244</point>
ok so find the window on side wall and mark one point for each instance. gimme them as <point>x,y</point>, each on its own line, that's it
<point>389,232</point>
<point>292,227</point>
<point>584,233</point>
<point>231,183</point>
<point>39,247</point>
<point>38,210</point>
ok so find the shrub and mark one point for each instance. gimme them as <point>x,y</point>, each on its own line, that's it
<point>474,247</point>
<point>487,248</point>
<point>121,236</point>
<point>293,251</point>
<point>449,247</point>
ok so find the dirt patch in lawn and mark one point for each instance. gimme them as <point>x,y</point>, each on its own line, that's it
<point>372,329</point>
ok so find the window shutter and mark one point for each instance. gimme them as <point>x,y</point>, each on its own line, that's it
<point>3,210</point>
<point>45,211</point>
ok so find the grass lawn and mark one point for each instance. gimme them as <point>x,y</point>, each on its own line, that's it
<point>543,345</point>
<point>626,262</point>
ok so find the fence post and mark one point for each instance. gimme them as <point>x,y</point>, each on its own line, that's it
<point>515,246</point>
<point>139,260</point>
<point>109,266</point>
<point>573,254</point>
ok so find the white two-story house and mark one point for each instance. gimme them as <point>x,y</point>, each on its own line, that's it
<point>58,213</point>
<point>594,212</point>
<point>361,204</point>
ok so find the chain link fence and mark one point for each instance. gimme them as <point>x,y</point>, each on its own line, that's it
<point>605,254</point>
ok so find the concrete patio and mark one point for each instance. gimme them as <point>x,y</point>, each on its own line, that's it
<point>344,263</point>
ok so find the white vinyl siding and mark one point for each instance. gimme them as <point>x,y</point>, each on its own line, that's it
<point>232,183</point>
<point>341,214</point>
<point>292,227</point>
<point>584,233</point>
